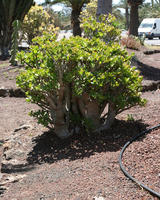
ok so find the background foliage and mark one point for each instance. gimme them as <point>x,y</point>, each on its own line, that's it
<point>36,22</point>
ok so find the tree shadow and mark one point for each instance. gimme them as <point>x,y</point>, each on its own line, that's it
<point>2,190</point>
<point>4,58</point>
<point>148,72</point>
<point>49,149</point>
<point>9,169</point>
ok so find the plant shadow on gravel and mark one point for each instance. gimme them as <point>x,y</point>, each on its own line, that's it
<point>49,149</point>
<point>2,190</point>
<point>148,72</point>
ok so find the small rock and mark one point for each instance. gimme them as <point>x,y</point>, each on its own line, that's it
<point>24,127</point>
<point>12,179</point>
<point>13,165</point>
<point>98,198</point>
<point>10,154</point>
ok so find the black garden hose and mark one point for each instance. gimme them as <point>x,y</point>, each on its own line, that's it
<point>124,170</point>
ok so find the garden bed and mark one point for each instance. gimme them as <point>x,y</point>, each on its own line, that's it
<point>37,165</point>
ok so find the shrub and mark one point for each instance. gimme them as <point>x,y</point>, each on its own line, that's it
<point>73,81</point>
<point>35,23</point>
<point>131,42</point>
<point>106,29</point>
<point>91,10</point>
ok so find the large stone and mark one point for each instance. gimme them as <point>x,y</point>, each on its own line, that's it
<point>24,127</point>
<point>16,149</point>
<point>11,179</point>
<point>13,166</point>
<point>10,154</point>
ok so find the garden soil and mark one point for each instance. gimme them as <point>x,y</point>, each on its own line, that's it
<point>36,165</point>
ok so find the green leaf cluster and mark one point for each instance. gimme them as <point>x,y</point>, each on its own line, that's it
<point>106,28</point>
<point>36,22</point>
<point>81,66</point>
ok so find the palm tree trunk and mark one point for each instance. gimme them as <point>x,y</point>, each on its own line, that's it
<point>76,22</point>
<point>126,15</point>
<point>134,20</point>
<point>10,11</point>
<point>6,43</point>
<point>104,7</point>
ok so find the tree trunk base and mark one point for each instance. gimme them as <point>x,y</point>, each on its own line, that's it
<point>4,53</point>
<point>62,132</point>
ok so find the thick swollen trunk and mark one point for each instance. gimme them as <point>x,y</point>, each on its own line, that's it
<point>110,117</point>
<point>59,118</point>
<point>90,110</point>
<point>82,106</point>
<point>60,126</point>
<point>109,120</point>
<point>134,20</point>
<point>76,22</point>
<point>93,113</point>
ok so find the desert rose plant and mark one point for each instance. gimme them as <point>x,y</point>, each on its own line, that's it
<point>78,83</point>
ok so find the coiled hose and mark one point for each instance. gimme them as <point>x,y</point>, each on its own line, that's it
<point>124,170</point>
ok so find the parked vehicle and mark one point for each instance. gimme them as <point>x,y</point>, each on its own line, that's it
<point>150,28</point>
